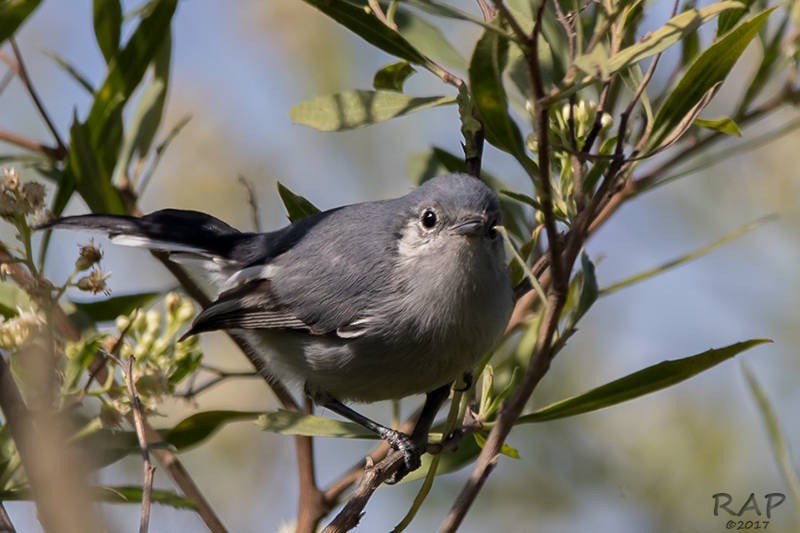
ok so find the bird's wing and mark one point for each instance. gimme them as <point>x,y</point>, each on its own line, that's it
<point>326,281</point>
<point>251,305</point>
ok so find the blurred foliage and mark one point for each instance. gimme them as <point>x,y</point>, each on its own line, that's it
<point>607,134</point>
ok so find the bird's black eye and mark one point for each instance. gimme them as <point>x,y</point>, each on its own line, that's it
<point>428,218</point>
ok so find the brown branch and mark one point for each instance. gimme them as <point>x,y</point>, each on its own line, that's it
<point>57,478</point>
<point>312,506</point>
<point>509,412</point>
<point>22,72</point>
<point>30,144</point>
<point>138,424</point>
<point>372,475</point>
<point>252,199</point>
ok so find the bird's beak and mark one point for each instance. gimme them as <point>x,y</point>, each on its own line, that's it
<point>472,225</point>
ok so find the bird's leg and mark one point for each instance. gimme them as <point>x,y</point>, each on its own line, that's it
<point>396,439</point>
<point>411,446</point>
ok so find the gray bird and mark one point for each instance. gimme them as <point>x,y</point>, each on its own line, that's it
<point>366,302</point>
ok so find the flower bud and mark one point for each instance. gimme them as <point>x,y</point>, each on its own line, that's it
<point>33,196</point>
<point>10,179</point>
<point>88,256</point>
<point>95,282</point>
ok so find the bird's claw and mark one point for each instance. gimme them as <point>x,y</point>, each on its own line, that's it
<point>411,455</point>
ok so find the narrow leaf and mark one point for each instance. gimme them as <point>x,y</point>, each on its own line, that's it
<point>707,71</point>
<point>675,29</point>
<point>694,254</point>
<point>12,14</point>
<point>91,176</point>
<point>107,18</point>
<point>198,427</point>
<point>393,76</point>
<point>485,77</point>
<point>297,207</point>
<point>359,108</point>
<point>146,118</point>
<point>133,494</point>
<point>505,449</point>
<point>723,125</point>
<point>464,455</point>
<point>128,68</point>
<point>650,379</point>
<point>363,23</point>
<point>428,39</point>
<point>82,80</point>
<point>776,436</point>
<point>114,494</point>
<point>291,423</point>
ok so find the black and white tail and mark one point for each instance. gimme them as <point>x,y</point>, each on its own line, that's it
<point>188,236</point>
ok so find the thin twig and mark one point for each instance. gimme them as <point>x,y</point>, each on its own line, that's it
<point>216,380</point>
<point>486,10</point>
<point>312,505</point>
<point>165,457</point>
<point>22,72</point>
<point>253,201</point>
<point>375,474</point>
<point>378,12</point>
<point>144,448</point>
<point>509,412</point>
<point>30,144</point>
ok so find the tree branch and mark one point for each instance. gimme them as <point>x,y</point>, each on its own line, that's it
<point>22,72</point>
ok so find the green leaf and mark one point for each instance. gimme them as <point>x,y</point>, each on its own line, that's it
<point>78,359</point>
<point>777,439</point>
<point>91,175</point>
<point>149,111</point>
<point>11,298</point>
<point>505,449</point>
<point>110,308</point>
<point>82,80</point>
<point>428,39</point>
<point>363,23</point>
<point>198,427</point>
<point>462,456</point>
<point>729,19</point>
<point>297,207</point>
<point>393,76</point>
<point>292,423</point>
<point>441,9</point>
<point>485,78</point>
<point>588,291</point>
<point>523,199</point>
<point>133,494</point>
<point>723,125</point>
<point>115,494</point>
<point>650,379</point>
<point>702,77</point>
<point>597,62</point>
<point>359,108</point>
<point>12,14</point>
<point>694,254</point>
<point>107,17</point>
<point>125,72</point>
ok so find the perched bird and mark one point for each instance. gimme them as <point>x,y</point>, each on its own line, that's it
<point>371,301</point>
